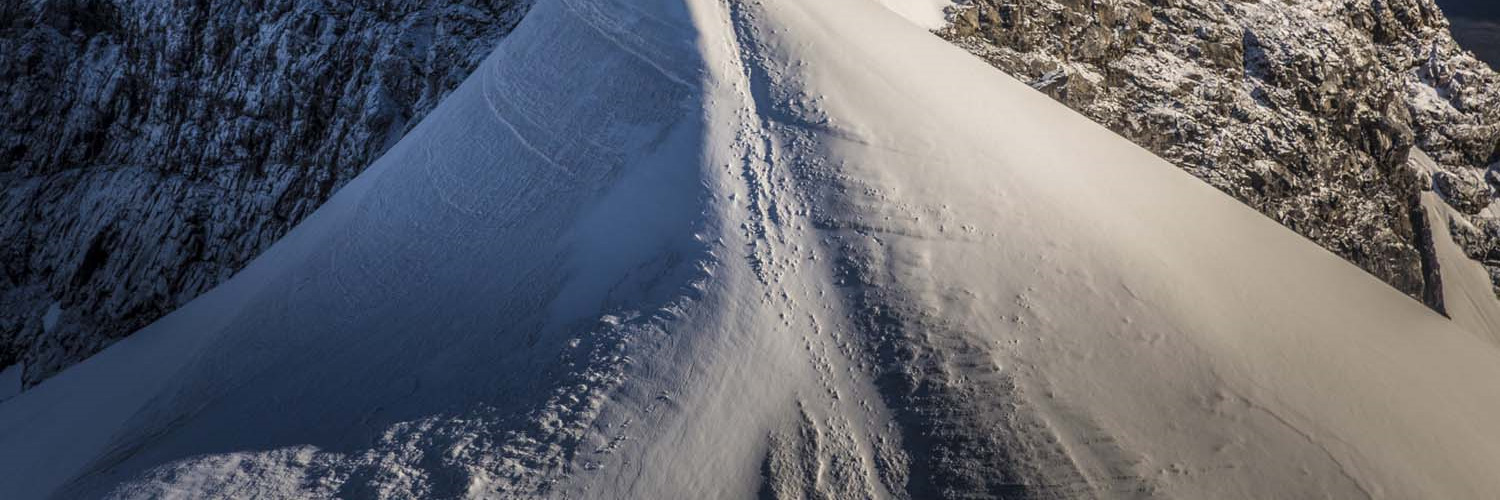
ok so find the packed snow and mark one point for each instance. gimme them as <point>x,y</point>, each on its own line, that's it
<point>707,249</point>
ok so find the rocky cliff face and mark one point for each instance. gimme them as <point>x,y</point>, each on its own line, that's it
<point>1304,110</point>
<point>152,148</point>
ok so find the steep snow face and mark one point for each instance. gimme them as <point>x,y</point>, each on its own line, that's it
<point>693,249</point>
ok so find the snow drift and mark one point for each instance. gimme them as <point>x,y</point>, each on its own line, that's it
<point>695,249</point>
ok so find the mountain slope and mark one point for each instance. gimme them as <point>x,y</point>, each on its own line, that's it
<point>150,149</point>
<point>1306,111</point>
<point>689,248</point>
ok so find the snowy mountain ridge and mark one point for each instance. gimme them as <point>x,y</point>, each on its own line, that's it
<point>163,218</point>
<point>692,248</point>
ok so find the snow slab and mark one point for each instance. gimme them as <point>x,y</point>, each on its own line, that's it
<point>706,249</point>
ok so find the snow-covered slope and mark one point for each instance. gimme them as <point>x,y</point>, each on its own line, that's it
<point>698,249</point>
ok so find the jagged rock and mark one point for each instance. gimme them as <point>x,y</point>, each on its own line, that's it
<point>1462,190</point>
<point>151,149</point>
<point>1306,111</point>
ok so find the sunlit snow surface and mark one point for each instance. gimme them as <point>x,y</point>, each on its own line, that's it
<point>703,249</point>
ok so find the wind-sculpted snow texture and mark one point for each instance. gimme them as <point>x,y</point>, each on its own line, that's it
<point>1305,110</point>
<point>149,149</point>
<point>724,249</point>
